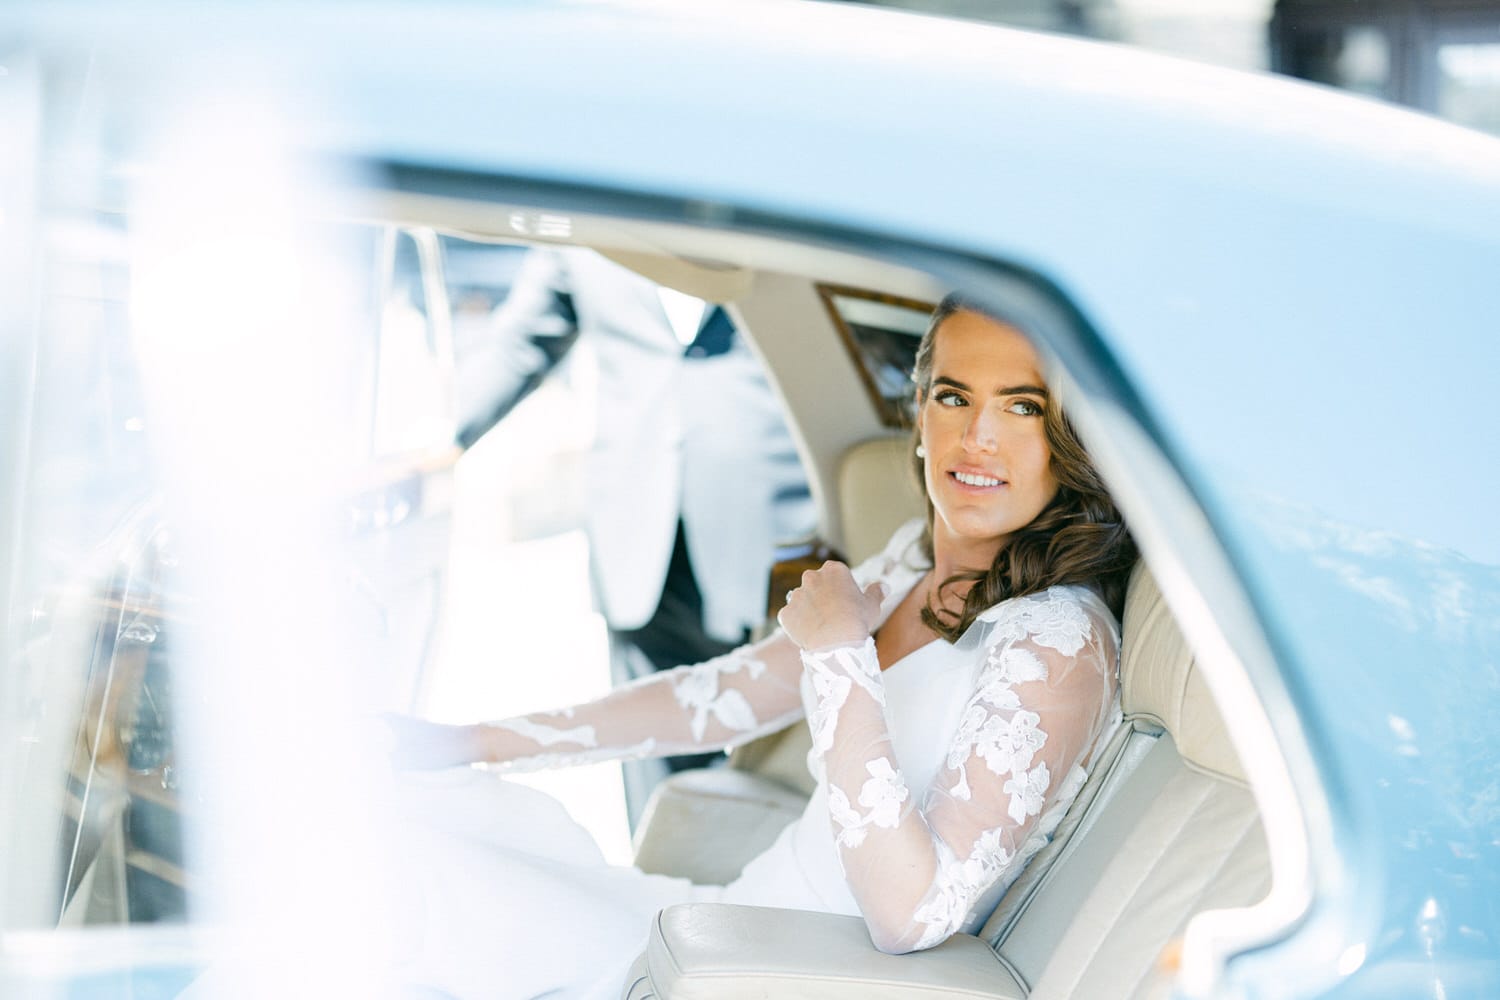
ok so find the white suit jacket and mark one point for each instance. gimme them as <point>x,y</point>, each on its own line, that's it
<point>700,437</point>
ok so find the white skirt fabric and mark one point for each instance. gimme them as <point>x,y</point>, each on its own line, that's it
<point>493,908</point>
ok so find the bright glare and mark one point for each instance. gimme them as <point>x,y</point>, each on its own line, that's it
<point>1471,63</point>
<point>245,359</point>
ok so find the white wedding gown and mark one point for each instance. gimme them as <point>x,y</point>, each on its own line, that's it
<point>936,780</point>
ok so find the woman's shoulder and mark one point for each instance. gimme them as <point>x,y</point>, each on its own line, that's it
<point>1063,617</point>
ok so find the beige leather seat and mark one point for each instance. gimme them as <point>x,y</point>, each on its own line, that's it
<point>1164,828</point>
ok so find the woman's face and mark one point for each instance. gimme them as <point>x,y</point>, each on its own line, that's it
<point>988,467</point>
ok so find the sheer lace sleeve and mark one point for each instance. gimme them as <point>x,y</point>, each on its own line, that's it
<point>1044,692</point>
<point>720,703</point>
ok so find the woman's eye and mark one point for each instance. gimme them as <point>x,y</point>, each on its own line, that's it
<point>1025,408</point>
<point>947,397</point>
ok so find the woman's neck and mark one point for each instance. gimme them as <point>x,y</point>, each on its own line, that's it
<point>951,599</point>
<point>952,555</point>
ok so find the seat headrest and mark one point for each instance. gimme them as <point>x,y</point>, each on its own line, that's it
<point>877,494</point>
<point>1160,681</point>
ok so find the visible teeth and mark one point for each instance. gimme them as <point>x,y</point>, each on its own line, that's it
<point>969,479</point>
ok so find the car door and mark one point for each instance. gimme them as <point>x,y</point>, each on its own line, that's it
<point>400,508</point>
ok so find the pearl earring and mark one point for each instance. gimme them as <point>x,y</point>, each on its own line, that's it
<point>921,451</point>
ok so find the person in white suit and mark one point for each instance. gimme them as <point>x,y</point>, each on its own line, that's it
<point>693,477</point>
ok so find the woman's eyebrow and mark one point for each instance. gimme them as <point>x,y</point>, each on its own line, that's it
<point>1010,390</point>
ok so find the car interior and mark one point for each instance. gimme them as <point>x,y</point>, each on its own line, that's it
<point>1165,831</point>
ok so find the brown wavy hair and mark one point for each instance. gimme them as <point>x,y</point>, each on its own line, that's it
<point>1078,538</point>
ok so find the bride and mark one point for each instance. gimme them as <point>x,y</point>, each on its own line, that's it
<point>957,686</point>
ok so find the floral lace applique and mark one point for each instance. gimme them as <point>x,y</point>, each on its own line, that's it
<point>833,673</point>
<point>698,690</point>
<point>547,736</point>
<point>959,884</point>
<point>1006,665</point>
<point>547,761</point>
<point>1043,618</point>
<point>1006,745</point>
<point>883,795</point>
<point>1027,791</point>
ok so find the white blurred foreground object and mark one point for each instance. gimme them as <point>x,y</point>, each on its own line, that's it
<point>245,352</point>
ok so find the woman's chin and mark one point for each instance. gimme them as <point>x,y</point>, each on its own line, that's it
<point>962,531</point>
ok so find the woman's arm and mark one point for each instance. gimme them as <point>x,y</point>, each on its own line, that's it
<point>1043,692</point>
<point>720,703</point>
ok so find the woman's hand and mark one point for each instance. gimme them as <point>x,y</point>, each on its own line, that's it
<point>829,609</point>
<point>421,745</point>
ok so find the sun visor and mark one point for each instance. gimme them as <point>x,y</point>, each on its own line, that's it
<point>712,281</point>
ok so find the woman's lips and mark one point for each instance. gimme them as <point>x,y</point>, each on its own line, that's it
<point>975,480</point>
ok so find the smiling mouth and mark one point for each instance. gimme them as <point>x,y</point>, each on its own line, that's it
<point>971,479</point>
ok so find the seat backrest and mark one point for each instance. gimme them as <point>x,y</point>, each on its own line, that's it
<point>877,494</point>
<point>1164,829</point>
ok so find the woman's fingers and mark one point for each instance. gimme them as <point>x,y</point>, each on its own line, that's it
<point>830,609</point>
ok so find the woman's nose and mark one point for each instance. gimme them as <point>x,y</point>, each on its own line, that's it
<point>983,430</point>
